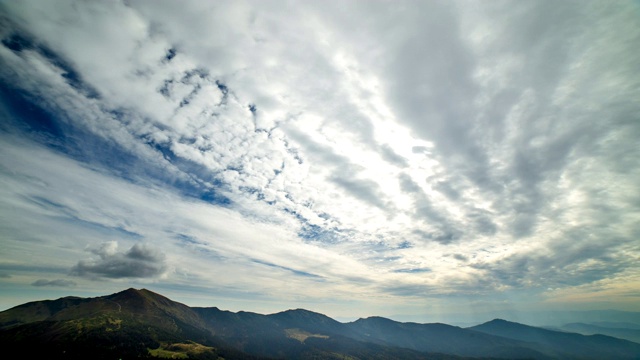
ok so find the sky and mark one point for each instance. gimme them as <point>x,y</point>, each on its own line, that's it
<point>354,158</point>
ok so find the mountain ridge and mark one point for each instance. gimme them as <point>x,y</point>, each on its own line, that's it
<point>558,342</point>
<point>626,331</point>
<point>143,324</point>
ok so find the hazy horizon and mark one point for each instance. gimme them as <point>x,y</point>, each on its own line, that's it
<point>354,158</point>
<point>540,318</point>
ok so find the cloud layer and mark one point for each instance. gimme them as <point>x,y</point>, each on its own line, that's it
<point>388,153</point>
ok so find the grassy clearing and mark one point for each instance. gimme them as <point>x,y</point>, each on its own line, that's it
<point>167,354</point>
<point>302,335</point>
<point>179,350</point>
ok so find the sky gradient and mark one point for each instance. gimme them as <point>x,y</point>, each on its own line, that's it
<point>354,158</point>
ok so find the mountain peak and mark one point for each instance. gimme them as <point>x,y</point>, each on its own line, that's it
<point>129,291</point>
<point>300,314</point>
<point>503,323</point>
<point>132,293</point>
<point>378,320</point>
<point>299,311</point>
<point>302,318</point>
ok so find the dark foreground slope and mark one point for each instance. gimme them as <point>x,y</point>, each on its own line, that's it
<point>143,324</point>
<point>129,324</point>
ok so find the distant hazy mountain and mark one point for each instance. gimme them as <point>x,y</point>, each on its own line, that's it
<point>617,325</point>
<point>534,318</point>
<point>625,331</point>
<point>142,324</point>
<point>440,338</point>
<point>563,344</point>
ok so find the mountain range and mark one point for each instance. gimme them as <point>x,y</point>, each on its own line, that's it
<point>621,330</point>
<point>138,323</point>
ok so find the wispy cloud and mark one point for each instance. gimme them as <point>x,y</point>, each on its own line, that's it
<point>57,283</point>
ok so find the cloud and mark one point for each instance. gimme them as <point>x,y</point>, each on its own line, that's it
<point>413,270</point>
<point>494,145</point>
<point>296,272</point>
<point>56,283</point>
<point>140,261</point>
<point>439,227</point>
<point>365,190</point>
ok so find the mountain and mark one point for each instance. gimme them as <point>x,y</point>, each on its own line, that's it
<point>547,318</point>
<point>617,324</point>
<point>129,324</point>
<point>629,332</point>
<point>300,334</point>
<point>563,345</point>
<point>440,338</point>
<point>142,324</point>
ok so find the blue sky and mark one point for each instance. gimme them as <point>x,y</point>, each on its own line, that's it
<point>349,157</point>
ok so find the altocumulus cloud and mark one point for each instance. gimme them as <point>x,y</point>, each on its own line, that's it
<point>140,261</point>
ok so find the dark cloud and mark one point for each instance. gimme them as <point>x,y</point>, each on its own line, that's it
<point>444,230</point>
<point>412,270</point>
<point>481,221</point>
<point>363,189</point>
<point>392,157</point>
<point>294,271</point>
<point>57,283</point>
<point>429,76</point>
<point>409,186</point>
<point>460,257</point>
<point>447,189</point>
<point>141,261</point>
<point>574,262</point>
<point>410,290</point>
<point>442,234</point>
